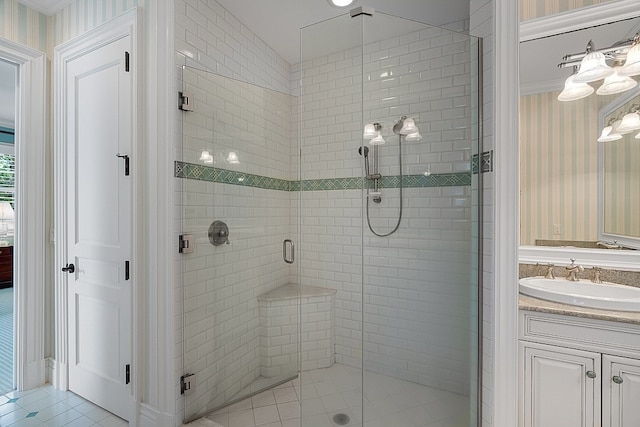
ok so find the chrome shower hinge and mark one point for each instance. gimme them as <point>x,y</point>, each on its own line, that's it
<point>187,383</point>
<point>183,102</point>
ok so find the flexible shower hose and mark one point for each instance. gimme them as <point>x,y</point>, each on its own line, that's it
<point>399,216</point>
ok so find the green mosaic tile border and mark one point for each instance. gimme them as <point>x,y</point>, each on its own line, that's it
<point>210,174</point>
<point>224,176</point>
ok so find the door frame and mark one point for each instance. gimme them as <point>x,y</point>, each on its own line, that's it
<point>30,249</point>
<point>127,24</point>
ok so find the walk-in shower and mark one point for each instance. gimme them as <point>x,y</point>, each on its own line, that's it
<point>374,321</point>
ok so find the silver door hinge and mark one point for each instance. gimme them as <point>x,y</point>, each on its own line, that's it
<point>185,243</point>
<point>187,383</point>
<point>183,102</point>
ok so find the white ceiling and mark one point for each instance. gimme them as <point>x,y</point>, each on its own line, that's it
<point>539,58</point>
<point>278,22</point>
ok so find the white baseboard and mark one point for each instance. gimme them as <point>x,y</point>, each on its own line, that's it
<point>151,417</point>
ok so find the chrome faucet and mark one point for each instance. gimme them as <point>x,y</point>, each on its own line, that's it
<point>572,271</point>
<point>549,273</point>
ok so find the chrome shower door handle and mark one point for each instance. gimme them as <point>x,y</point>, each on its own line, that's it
<point>288,259</point>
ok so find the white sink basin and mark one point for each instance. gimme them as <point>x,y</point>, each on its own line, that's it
<point>608,296</point>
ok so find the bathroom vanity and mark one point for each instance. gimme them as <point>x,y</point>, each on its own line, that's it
<point>578,366</point>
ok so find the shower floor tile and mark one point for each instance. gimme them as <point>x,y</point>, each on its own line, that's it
<point>337,390</point>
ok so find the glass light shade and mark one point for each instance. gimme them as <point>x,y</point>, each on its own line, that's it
<point>378,140</point>
<point>369,131</point>
<point>206,157</point>
<point>614,127</point>
<point>593,67</point>
<point>408,126</point>
<point>631,66</point>
<point>630,122</point>
<point>233,158</point>
<point>573,90</point>
<point>606,135</point>
<point>413,137</point>
<point>616,83</point>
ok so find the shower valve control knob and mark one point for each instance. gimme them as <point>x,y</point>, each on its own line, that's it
<point>218,233</point>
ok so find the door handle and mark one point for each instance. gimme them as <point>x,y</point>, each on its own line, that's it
<point>288,259</point>
<point>70,268</point>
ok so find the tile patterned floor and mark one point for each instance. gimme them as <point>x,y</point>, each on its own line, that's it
<point>46,406</point>
<point>388,402</point>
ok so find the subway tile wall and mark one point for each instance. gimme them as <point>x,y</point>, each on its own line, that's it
<point>417,282</point>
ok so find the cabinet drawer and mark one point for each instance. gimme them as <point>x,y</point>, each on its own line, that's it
<point>580,333</point>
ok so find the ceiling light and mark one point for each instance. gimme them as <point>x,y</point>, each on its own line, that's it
<point>341,3</point>
<point>616,83</point>
<point>573,90</point>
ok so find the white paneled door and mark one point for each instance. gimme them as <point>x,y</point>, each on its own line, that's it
<point>99,244</point>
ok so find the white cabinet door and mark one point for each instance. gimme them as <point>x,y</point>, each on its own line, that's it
<point>560,387</point>
<point>620,392</point>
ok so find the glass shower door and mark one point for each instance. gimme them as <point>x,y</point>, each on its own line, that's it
<point>240,299</point>
<point>389,196</point>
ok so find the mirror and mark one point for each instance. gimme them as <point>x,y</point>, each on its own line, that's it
<point>619,177</point>
<point>559,152</point>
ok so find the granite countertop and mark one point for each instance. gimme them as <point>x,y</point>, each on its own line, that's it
<point>535,304</point>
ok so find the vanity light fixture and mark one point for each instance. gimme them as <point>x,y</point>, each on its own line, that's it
<point>573,90</point>
<point>206,157</point>
<point>630,121</point>
<point>232,158</point>
<point>616,83</point>
<point>378,140</point>
<point>373,132</point>
<point>592,66</point>
<point>606,135</point>
<point>408,127</point>
<point>369,131</point>
<point>631,66</point>
<point>413,137</point>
